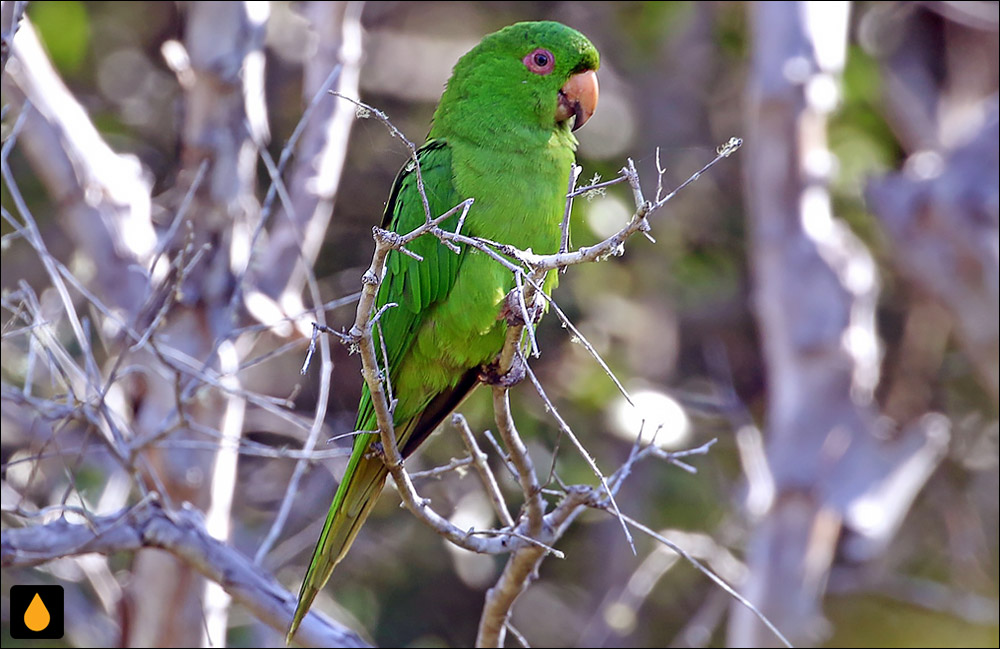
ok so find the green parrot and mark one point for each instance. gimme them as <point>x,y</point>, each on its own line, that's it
<point>502,134</point>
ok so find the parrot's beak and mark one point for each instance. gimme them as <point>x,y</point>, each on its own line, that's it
<point>578,98</point>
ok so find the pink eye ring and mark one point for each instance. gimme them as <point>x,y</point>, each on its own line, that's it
<point>540,61</point>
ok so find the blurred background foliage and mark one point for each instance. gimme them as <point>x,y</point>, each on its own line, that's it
<point>672,87</point>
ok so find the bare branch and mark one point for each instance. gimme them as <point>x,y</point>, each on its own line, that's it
<point>943,229</point>
<point>584,453</point>
<point>711,575</point>
<point>182,534</point>
<point>320,145</point>
<point>479,461</point>
<point>13,12</point>
<point>104,197</point>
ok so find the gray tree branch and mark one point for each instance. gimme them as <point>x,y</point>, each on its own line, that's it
<point>826,467</point>
<point>104,196</point>
<point>944,228</point>
<point>295,236</point>
<point>183,535</point>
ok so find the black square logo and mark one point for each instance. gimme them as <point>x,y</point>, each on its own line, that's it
<point>36,612</point>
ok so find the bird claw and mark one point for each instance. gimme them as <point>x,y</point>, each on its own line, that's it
<point>490,374</point>
<point>375,450</point>
<point>513,312</point>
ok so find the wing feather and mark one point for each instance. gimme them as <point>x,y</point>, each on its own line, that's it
<point>415,285</point>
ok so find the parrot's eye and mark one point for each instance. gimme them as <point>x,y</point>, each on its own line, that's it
<point>540,61</point>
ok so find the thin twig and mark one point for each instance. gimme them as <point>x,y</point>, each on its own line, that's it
<point>584,453</point>
<point>480,462</point>
<point>454,464</point>
<point>705,570</point>
<point>321,402</point>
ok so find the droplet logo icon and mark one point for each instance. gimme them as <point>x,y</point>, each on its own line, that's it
<point>37,616</point>
<point>37,612</point>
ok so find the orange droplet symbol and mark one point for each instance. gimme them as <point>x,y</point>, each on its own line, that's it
<point>37,616</point>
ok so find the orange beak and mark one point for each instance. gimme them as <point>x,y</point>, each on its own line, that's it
<point>578,98</point>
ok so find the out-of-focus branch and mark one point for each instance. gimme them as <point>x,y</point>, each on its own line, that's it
<point>621,606</point>
<point>816,287</point>
<point>220,68</point>
<point>800,257</point>
<point>12,13</point>
<point>323,396</point>
<point>928,594</point>
<point>182,534</point>
<point>942,219</point>
<point>104,196</point>
<point>935,79</point>
<point>940,211</point>
<point>296,234</point>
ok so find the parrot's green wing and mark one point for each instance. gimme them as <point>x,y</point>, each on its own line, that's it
<point>413,285</point>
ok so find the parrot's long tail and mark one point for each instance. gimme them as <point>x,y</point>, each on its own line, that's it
<point>355,497</point>
<point>362,484</point>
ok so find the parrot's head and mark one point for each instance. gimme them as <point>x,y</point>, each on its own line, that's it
<point>530,79</point>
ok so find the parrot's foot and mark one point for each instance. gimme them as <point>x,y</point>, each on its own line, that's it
<point>490,374</point>
<point>514,309</point>
<point>375,450</point>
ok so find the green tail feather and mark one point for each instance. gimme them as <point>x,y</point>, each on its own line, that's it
<point>361,486</point>
<point>356,495</point>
